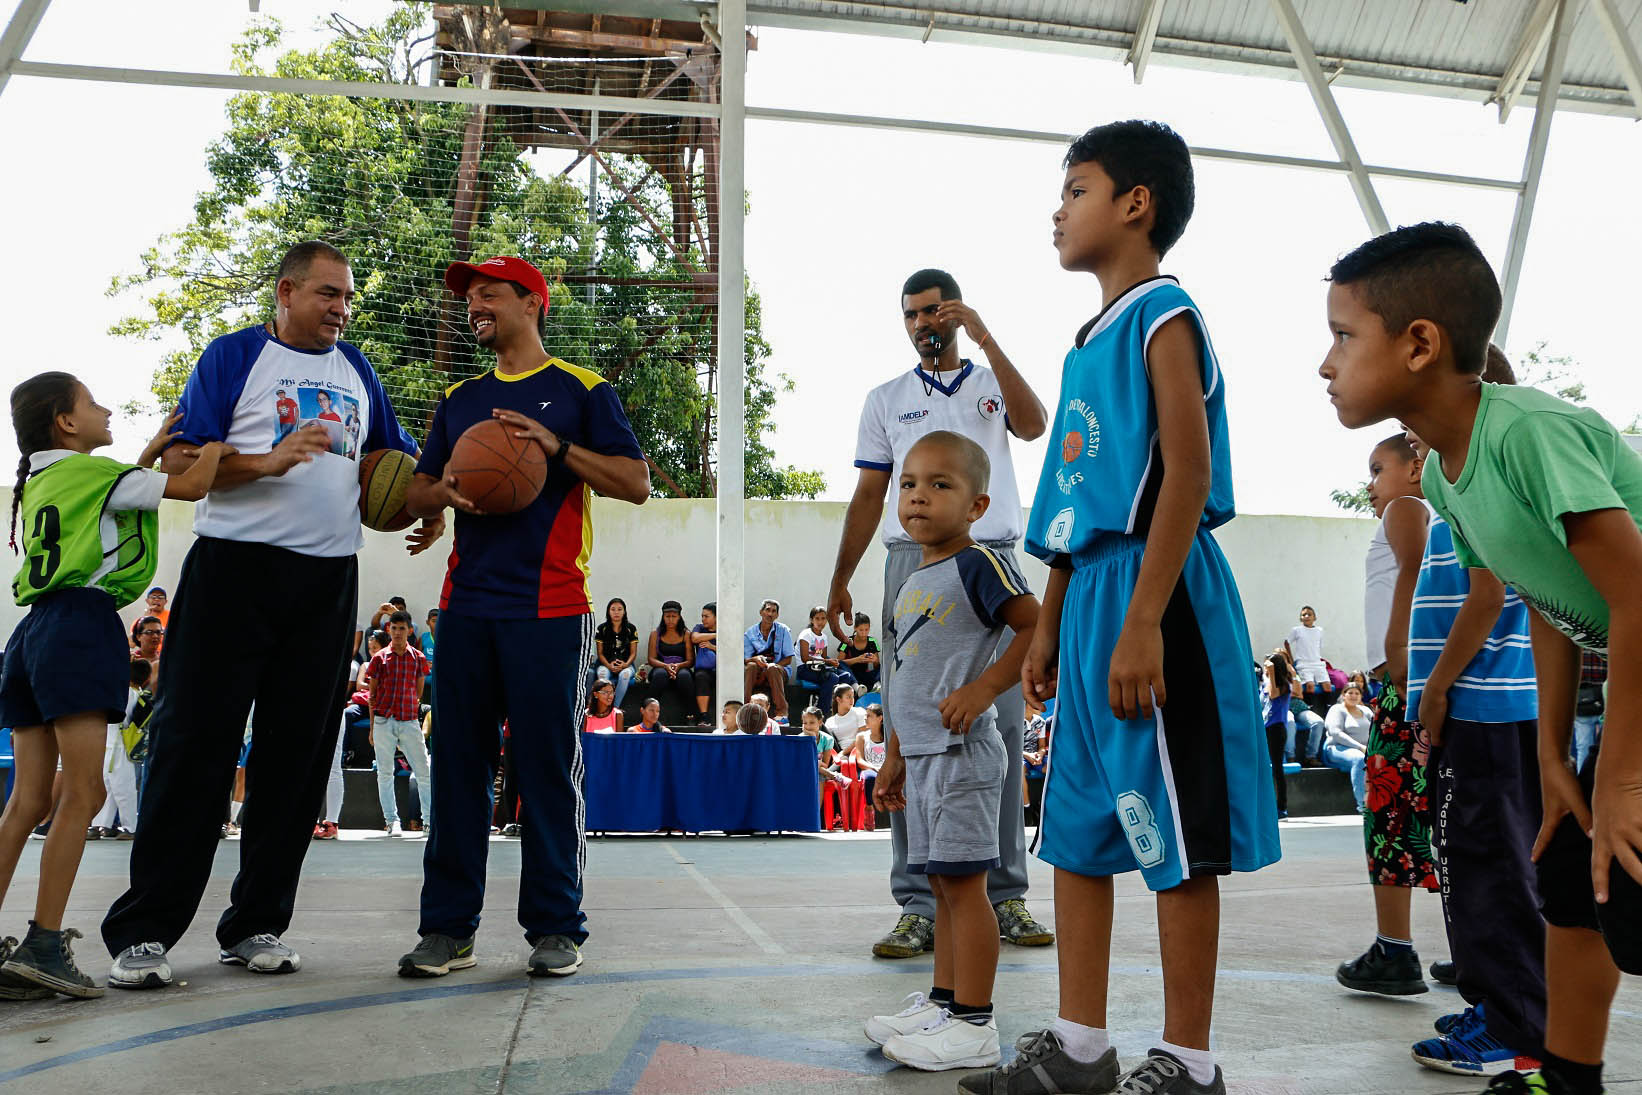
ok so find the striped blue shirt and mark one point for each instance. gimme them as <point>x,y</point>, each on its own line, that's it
<point>1498,685</point>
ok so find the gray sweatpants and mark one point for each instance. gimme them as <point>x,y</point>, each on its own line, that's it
<point>911,891</point>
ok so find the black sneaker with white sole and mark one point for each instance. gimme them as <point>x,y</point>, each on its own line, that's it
<point>436,955</point>
<point>46,958</point>
<point>15,988</point>
<point>554,956</point>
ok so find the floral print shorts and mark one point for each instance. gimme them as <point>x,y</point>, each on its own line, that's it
<point>1396,815</point>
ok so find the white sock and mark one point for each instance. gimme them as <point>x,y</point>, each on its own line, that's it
<point>1083,1044</point>
<point>1199,1062</point>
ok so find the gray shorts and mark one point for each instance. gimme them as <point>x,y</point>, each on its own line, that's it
<point>952,807</point>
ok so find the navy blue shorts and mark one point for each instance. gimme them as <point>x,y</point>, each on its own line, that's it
<point>68,655</point>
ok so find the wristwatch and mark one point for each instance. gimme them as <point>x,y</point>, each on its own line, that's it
<point>564,451</point>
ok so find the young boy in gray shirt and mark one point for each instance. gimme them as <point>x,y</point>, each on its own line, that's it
<point>945,763</point>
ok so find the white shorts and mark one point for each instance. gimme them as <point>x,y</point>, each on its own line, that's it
<point>1312,673</point>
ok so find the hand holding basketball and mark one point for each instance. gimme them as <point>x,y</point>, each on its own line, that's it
<point>529,429</point>
<point>446,494</point>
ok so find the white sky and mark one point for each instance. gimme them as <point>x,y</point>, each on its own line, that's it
<point>840,216</point>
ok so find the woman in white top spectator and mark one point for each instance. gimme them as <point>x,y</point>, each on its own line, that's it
<point>1344,747</point>
<point>846,719</point>
<point>869,749</point>
<point>603,716</point>
<point>818,669</point>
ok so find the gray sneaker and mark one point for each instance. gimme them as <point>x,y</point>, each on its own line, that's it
<point>554,956</point>
<point>46,958</point>
<point>1162,1074</point>
<point>1042,1066</point>
<point>436,955</point>
<point>1015,925</point>
<point>16,988</point>
<point>912,935</point>
<point>261,954</point>
<point>141,966</point>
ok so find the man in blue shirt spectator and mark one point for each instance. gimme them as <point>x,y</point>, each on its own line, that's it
<point>767,650</point>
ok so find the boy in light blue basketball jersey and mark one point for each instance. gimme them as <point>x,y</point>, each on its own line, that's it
<point>1159,762</point>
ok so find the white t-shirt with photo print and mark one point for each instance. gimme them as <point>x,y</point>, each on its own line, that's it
<point>241,392</point>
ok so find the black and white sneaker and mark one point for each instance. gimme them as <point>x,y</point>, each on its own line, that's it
<point>1162,1073</point>
<point>46,958</point>
<point>554,956</point>
<point>436,955</point>
<point>16,988</point>
<point>141,966</point>
<point>1041,1067</point>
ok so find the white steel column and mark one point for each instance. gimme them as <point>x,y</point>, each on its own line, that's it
<point>1550,85</point>
<point>1624,50</point>
<point>1145,35</point>
<point>1333,121</point>
<point>732,347</point>
<point>15,40</point>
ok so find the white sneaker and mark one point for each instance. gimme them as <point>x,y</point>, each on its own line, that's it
<point>946,1043</point>
<point>261,954</point>
<point>917,1011</point>
<point>143,966</point>
<point>394,829</point>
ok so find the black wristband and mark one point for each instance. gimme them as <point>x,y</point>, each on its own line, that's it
<point>564,451</point>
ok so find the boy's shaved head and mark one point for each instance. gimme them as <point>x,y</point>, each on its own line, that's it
<point>1431,271</point>
<point>972,462</point>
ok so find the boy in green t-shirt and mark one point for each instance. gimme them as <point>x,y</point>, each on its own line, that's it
<point>1548,496</point>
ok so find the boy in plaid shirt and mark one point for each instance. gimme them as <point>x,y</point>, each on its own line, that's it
<point>395,675</point>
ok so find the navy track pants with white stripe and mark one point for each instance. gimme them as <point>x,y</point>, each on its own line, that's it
<point>533,674</point>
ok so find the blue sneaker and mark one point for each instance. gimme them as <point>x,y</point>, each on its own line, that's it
<point>1448,1024</point>
<point>1469,1050</point>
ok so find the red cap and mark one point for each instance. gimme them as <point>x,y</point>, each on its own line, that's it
<point>458,275</point>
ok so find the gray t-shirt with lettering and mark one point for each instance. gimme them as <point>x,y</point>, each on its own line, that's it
<point>944,634</point>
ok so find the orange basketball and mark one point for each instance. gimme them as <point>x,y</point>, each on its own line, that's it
<point>496,471</point>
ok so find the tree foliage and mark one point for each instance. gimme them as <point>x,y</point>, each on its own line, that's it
<point>378,178</point>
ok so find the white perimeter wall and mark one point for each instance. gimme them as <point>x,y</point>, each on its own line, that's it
<point>666,549</point>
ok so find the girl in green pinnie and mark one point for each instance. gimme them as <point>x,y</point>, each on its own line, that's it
<point>89,540</point>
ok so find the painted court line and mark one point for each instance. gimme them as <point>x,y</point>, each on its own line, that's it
<point>743,921</point>
<point>587,980</point>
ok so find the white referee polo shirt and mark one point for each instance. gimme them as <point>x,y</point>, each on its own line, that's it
<point>900,411</point>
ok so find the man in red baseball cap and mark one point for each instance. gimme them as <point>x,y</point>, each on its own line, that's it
<point>515,625</point>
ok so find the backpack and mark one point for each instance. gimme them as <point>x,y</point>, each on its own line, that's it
<point>134,732</point>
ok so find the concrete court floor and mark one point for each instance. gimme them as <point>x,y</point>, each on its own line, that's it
<point>716,964</point>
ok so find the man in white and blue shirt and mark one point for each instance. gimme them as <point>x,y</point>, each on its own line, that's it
<point>1471,683</point>
<point>288,529</point>
<point>985,403</point>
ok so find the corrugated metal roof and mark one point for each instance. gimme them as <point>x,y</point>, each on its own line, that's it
<point>1447,47</point>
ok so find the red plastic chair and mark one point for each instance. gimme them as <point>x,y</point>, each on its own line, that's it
<point>855,799</point>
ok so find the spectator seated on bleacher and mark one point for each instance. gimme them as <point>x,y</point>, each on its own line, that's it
<point>615,644</point>
<point>767,651</point>
<point>603,716</point>
<point>357,751</point>
<point>818,671</point>
<point>671,661</point>
<point>846,719</point>
<point>833,781</point>
<point>650,719</point>
<point>704,649</point>
<point>727,720</point>
<point>859,653</point>
<point>1346,745</point>
<point>868,751</point>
